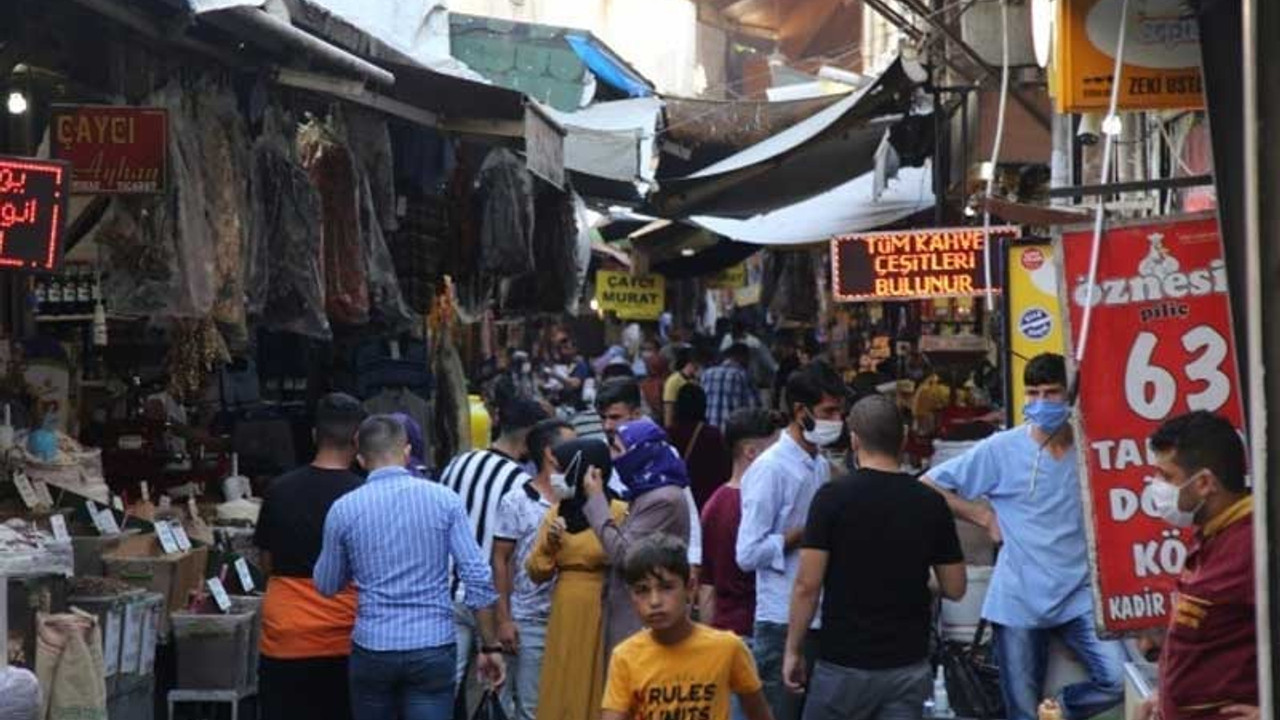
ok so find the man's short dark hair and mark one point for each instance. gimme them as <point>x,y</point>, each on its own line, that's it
<point>810,383</point>
<point>1204,441</point>
<point>338,417</point>
<point>616,370</point>
<point>877,423</point>
<point>618,390</point>
<point>684,356</point>
<point>520,413</point>
<point>545,434</point>
<point>1045,369</point>
<point>691,404</point>
<point>739,353</point>
<point>748,424</point>
<point>381,438</point>
<point>655,552</point>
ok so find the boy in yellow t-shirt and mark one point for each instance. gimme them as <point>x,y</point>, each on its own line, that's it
<point>676,669</point>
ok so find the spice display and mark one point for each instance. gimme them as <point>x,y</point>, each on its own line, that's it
<point>196,351</point>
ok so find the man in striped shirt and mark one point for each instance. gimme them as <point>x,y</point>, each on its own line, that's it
<point>394,538</point>
<point>482,478</point>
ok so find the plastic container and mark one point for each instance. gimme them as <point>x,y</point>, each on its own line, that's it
<point>89,550</point>
<point>960,619</point>
<point>136,703</point>
<point>218,651</point>
<point>480,422</point>
<point>144,615</point>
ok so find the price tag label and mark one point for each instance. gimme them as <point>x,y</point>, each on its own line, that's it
<point>93,514</point>
<point>26,489</point>
<point>246,578</point>
<point>107,522</point>
<point>117,502</point>
<point>180,535</point>
<point>219,593</point>
<point>42,492</point>
<point>58,524</point>
<point>164,534</point>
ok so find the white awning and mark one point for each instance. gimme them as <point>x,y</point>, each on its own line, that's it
<point>613,140</point>
<point>849,208</point>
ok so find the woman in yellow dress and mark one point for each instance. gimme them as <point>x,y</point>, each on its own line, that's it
<point>573,663</point>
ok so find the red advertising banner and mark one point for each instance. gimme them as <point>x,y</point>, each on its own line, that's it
<point>112,149</point>
<point>1161,346</point>
<point>33,213</point>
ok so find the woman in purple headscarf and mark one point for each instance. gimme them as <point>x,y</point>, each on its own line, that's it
<point>656,479</point>
<point>417,446</point>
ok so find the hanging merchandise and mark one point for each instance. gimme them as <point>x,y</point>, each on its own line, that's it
<point>160,252</point>
<point>473,288</point>
<point>227,169</point>
<point>553,285</point>
<point>196,350</point>
<point>387,307</point>
<point>419,248</point>
<point>505,194</point>
<point>285,271</point>
<point>370,141</point>
<point>334,172</point>
<point>790,288</point>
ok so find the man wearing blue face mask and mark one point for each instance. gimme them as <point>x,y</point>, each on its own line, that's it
<point>1040,588</point>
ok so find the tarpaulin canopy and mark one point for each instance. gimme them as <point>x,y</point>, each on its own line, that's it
<point>807,159</point>
<point>608,67</point>
<point>613,140</point>
<point>849,208</point>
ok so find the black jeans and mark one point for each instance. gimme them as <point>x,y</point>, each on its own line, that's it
<point>305,688</point>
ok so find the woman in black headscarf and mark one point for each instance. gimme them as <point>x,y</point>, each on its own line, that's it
<point>568,552</point>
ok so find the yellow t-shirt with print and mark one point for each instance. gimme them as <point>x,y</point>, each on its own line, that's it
<point>691,680</point>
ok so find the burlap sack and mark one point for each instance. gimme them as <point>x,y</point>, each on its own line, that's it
<point>70,667</point>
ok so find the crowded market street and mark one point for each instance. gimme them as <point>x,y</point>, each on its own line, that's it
<point>638,359</point>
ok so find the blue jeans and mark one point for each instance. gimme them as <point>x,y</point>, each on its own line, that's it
<point>519,693</point>
<point>410,685</point>
<point>1023,654</point>
<point>769,648</point>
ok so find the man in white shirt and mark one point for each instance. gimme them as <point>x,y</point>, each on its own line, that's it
<point>776,494</point>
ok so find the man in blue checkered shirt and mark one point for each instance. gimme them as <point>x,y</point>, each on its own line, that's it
<point>728,385</point>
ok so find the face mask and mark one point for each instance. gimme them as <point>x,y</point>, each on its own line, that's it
<point>1164,497</point>
<point>560,486</point>
<point>824,432</point>
<point>1048,415</point>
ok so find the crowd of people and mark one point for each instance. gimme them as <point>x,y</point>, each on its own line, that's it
<point>664,538</point>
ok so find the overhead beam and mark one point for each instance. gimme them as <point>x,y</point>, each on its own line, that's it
<point>1133,186</point>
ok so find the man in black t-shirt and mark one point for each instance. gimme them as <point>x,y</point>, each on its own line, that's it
<point>306,637</point>
<point>869,544</point>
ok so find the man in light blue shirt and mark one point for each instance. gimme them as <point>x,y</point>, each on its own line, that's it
<point>393,538</point>
<point>1040,587</point>
<point>776,493</point>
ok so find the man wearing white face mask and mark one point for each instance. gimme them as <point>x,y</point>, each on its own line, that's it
<point>1040,587</point>
<point>1209,662</point>
<point>776,493</point>
<point>524,606</point>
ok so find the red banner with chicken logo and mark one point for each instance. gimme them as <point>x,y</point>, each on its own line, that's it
<point>1161,345</point>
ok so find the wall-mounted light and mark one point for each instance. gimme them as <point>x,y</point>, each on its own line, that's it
<point>595,305</point>
<point>688,252</point>
<point>17,103</point>
<point>1112,126</point>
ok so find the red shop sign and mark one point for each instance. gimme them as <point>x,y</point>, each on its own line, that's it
<point>1162,346</point>
<point>33,212</point>
<point>112,149</point>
